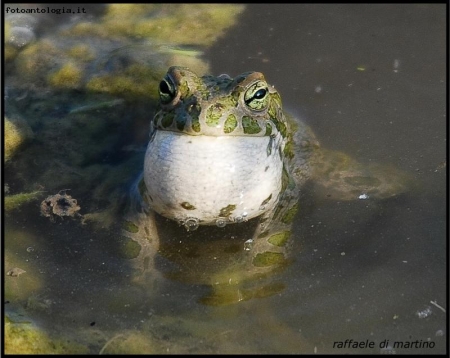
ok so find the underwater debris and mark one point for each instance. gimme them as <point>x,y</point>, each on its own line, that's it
<point>15,272</point>
<point>59,205</point>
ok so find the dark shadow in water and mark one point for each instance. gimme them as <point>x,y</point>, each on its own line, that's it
<point>216,259</point>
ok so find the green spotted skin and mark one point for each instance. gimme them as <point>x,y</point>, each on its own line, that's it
<point>218,106</point>
<point>221,152</point>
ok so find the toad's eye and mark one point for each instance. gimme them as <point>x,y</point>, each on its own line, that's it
<point>257,96</point>
<point>260,94</point>
<point>167,90</point>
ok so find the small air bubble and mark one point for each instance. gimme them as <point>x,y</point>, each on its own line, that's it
<point>191,224</point>
<point>396,65</point>
<point>248,245</point>
<point>221,222</point>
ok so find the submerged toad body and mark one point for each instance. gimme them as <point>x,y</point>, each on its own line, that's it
<point>222,151</point>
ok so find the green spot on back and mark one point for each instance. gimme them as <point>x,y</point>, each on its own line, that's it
<point>281,128</point>
<point>141,187</point>
<point>284,179</point>
<point>268,129</point>
<point>290,214</point>
<point>129,226</point>
<point>167,120</point>
<point>268,259</point>
<point>196,124</point>
<point>250,125</point>
<point>143,191</point>
<point>279,239</point>
<point>213,114</point>
<point>263,234</point>
<point>130,249</point>
<point>181,122</point>
<point>289,149</point>
<point>184,89</point>
<point>230,124</point>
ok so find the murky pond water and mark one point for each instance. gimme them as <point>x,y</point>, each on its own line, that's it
<point>369,80</point>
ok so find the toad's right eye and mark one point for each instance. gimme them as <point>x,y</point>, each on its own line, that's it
<point>167,90</point>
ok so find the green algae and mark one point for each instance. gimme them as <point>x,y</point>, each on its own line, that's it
<point>17,132</point>
<point>10,53</point>
<point>68,76</point>
<point>13,202</point>
<point>37,60</point>
<point>82,52</point>
<point>7,31</point>
<point>150,37</point>
<point>124,85</point>
<point>27,338</point>
<point>170,25</point>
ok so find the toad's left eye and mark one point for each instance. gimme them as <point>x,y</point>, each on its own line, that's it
<point>257,96</point>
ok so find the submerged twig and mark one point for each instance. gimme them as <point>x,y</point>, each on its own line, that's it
<point>97,106</point>
<point>440,307</point>
<point>107,343</point>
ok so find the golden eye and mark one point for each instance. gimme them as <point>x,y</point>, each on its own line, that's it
<point>257,96</point>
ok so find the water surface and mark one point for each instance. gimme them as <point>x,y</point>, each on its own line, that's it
<point>370,81</point>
